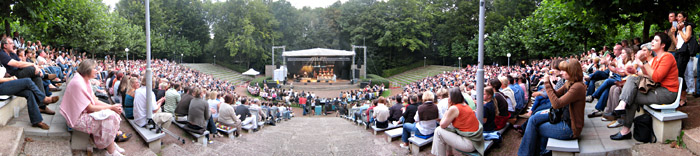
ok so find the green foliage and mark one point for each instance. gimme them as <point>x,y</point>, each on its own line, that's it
<point>259,81</point>
<point>399,70</point>
<point>377,80</point>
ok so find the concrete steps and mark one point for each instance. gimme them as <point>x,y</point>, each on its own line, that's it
<point>692,140</point>
<point>11,139</point>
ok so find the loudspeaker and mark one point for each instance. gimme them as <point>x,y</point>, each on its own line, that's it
<point>359,66</point>
<point>357,73</point>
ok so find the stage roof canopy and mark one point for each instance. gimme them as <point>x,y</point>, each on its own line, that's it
<point>317,52</point>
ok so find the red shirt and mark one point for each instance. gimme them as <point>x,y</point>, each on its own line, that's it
<point>302,100</point>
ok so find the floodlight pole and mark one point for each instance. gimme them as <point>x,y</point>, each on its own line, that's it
<point>149,74</point>
<point>364,62</point>
<point>480,70</point>
<point>273,53</point>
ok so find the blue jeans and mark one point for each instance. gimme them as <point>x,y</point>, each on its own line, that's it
<point>303,108</point>
<point>25,88</point>
<point>534,140</point>
<point>540,103</point>
<point>697,87</point>
<point>602,92</point>
<point>597,76</point>
<point>407,129</point>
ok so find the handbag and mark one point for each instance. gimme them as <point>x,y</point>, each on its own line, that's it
<point>555,115</point>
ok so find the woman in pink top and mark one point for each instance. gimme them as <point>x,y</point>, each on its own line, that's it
<point>86,114</point>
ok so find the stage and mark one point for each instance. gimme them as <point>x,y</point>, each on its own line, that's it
<point>316,85</point>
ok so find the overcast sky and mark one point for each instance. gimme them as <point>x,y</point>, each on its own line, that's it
<point>295,3</point>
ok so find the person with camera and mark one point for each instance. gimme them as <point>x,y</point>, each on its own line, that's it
<point>565,120</point>
<point>661,68</point>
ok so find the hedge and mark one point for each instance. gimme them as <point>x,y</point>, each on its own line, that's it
<point>401,69</point>
<point>259,81</point>
<point>377,80</point>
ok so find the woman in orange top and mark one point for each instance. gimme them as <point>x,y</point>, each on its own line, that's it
<point>662,68</point>
<point>464,121</point>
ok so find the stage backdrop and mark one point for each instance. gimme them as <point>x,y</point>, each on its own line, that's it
<point>319,60</point>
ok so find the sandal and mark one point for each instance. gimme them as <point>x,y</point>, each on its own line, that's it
<point>122,137</point>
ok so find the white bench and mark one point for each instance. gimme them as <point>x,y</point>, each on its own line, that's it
<point>417,143</point>
<point>563,147</point>
<point>391,126</point>
<point>151,137</point>
<point>228,133</point>
<point>667,126</point>
<point>7,107</point>
<point>670,108</point>
<point>394,133</point>
<point>201,138</point>
<point>247,127</point>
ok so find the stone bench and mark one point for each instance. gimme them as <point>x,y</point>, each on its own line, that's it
<point>151,137</point>
<point>201,138</point>
<point>7,107</point>
<point>394,133</point>
<point>81,141</point>
<point>416,143</point>
<point>391,126</point>
<point>563,147</point>
<point>667,126</point>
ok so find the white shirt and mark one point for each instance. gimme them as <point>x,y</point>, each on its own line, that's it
<point>381,112</point>
<point>425,127</point>
<point>140,105</point>
<point>442,107</point>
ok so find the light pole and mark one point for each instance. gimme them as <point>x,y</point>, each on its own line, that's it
<point>127,56</point>
<point>424,61</point>
<point>181,58</point>
<point>508,55</point>
<point>214,59</point>
<point>460,62</point>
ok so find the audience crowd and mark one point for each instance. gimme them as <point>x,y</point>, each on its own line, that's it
<point>550,94</point>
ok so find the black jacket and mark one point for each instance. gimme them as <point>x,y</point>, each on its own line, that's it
<point>411,112</point>
<point>395,112</point>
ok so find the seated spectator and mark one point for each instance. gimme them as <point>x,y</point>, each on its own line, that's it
<point>257,112</point>
<point>395,112</point>
<point>141,107</point>
<point>442,101</point>
<point>83,112</point>
<point>466,133</point>
<point>570,99</point>
<point>501,114</point>
<point>425,119</point>
<point>227,115</point>
<point>172,97</point>
<point>661,68</point>
<point>213,104</point>
<point>20,69</point>
<point>25,88</point>
<point>182,109</point>
<point>244,113</point>
<point>134,84</point>
<point>381,113</point>
<point>199,115</point>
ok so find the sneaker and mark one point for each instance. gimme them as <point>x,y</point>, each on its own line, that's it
<point>403,146</point>
<point>589,98</point>
<point>604,119</point>
<point>615,124</point>
<point>210,141</point>
<point>595,113</point>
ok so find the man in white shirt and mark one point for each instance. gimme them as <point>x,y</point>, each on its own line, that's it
<point>140,107</point>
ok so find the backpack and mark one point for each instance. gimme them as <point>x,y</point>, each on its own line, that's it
<point>643,130</point>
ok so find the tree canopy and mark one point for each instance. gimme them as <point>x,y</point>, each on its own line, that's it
<point>398,33</point>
